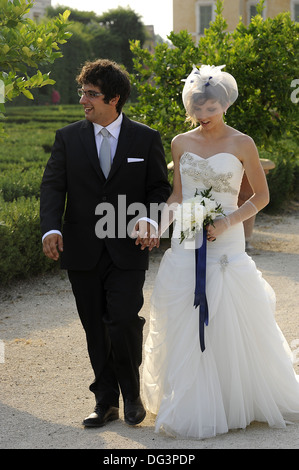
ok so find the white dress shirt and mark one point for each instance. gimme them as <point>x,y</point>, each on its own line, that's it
<point>114,130</point>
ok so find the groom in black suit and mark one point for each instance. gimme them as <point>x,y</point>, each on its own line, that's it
<point>85,211</point>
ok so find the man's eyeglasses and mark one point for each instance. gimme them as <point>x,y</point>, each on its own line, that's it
<point>89,93</point>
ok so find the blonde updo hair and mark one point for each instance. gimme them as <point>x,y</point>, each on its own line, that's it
<point>208,83</point>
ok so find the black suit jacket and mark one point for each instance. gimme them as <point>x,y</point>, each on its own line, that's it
<point>73,186</point>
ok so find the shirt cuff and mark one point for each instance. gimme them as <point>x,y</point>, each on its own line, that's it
<point>152,222</point>
<point>49,233</point>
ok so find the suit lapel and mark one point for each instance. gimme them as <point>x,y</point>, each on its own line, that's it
<point>125,139</point>
<point>87,137</point>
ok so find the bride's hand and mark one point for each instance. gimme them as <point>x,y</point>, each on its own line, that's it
<point>213,231</point>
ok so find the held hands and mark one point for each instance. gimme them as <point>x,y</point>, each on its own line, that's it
<point>146,235</point>
<point>52,245</point>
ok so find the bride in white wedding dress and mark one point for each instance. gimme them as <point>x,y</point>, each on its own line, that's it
<point>245,372</point>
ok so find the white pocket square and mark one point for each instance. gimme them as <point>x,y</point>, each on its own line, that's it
<point>132,160</point>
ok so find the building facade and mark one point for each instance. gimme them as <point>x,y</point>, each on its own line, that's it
<point>39,9</point>
<point>196,15</point>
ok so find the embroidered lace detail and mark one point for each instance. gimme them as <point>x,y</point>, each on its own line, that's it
<point>223,262</point>
<point>201,170</point>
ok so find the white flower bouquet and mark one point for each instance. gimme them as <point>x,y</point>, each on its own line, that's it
<point>195,214</point>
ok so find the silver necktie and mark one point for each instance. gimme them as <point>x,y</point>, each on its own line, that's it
<point>105,153</point>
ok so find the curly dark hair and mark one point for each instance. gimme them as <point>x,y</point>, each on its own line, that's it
<point>111,78</point>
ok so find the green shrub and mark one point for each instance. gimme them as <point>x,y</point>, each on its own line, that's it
<point>262,56</point>
<point>23,156</point>
<point>20,182</point>
<point>282,179</point>
<point>20,240</point>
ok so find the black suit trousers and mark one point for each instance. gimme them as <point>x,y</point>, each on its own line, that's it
<point>108,301</point>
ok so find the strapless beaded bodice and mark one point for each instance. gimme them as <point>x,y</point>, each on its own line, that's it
<point>222,172</point>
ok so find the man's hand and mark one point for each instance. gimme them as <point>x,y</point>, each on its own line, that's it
<point>52,245</point>
<point>146,235</point>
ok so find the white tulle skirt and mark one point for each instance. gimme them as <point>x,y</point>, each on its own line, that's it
<point>245,373</point>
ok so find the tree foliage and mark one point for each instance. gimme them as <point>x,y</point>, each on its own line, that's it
<point>123,25</point>
<point>93,36</point>
<point>25,46</point>
<point>263,57</point>
<point>84,17</point>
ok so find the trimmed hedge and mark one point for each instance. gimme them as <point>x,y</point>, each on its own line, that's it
<point>23,156</point>
<point>20,240</point>
<point>21,182</point>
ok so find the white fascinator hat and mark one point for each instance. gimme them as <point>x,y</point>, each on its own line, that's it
<point>209,82</point>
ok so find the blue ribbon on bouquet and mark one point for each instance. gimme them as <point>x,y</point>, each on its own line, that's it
<point>200,298</point>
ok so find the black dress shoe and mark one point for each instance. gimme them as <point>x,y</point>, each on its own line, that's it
<point>101,415</point>
<point>134,411</point>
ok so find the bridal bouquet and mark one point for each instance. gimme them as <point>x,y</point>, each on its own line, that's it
<point>196,213</point>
